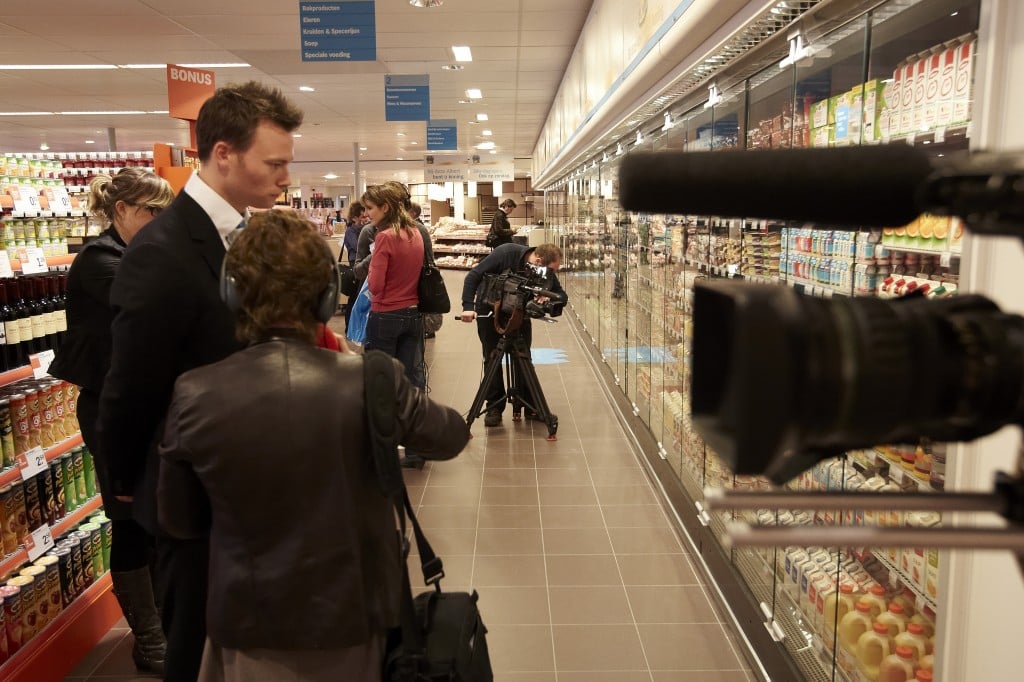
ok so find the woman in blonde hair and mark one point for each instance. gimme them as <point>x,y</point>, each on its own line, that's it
<point>128,201</point>
<point>394,325</point>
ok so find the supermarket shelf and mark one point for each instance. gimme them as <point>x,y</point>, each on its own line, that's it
<point>13,474</point>
<point>17,374</point>
<point>815,289</point>
<point>442,266</point>
<point>460,237</point>
<point>16,559</point>
<point>51,261</point>
<point>927,252</point>
<point>921,597</point>
<point>73,633</point>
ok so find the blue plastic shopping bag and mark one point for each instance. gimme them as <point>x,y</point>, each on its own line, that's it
<point>356,330</point>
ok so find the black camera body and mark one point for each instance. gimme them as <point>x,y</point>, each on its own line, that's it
<point>512,292</point>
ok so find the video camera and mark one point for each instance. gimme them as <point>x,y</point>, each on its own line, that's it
<point>954,366</point>
<point>511,292</point>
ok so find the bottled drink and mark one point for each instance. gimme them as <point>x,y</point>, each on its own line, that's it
<point>37,313</point>
<point>10,333</point>
<point>40,287</point>
<point>872,648</point>
<point>59,309</point>
<point>16,295</point>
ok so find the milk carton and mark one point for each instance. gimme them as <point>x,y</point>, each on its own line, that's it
<point>963,84</point>
<point>920,88</point>
<point>933,77</point>
<point>947,76</point>
<point>856,114</point>
<point>842,115</point>
<point>907,98</point>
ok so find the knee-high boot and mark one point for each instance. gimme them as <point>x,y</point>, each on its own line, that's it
<point>134,591</point>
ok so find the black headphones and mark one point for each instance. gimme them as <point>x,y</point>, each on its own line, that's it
<point>323,310</point>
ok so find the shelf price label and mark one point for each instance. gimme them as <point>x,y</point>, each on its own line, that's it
<point>41,363</point>
<point>39,542</point>
<point>35,261</point>
<point>31,462</point>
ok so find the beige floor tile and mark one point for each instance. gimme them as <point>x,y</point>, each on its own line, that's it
<point>458,570</point>
<point>520,648</point>
<point>504,495</point>
<point>452,495</point>
<point>509,541</point>
<point>510,477</point>
<point>558,516</point>
<point>583,570</point>
<point>598,647</point>
<point>589,605</point>
<point>514,606</point>
<point>700,676</point>
<point>560,459</point>
<point>635,516</point>
<point>656,569</point>
<point>511,516</point>
<point>564,476</point>
<point>505,571</point>
<point>643,540</point>
<point>570,495</point>
<point>625,494</point>
<point>449,541</point>
<point>576,541</point>
<point>447,516</point>
<point>670,604</point>
<point>687,647</point>
<point>511,460</point>
<point>617,475</point>
<point>604,676</point>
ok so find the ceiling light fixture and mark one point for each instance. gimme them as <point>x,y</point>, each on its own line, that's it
<point>401,134</point>
<point>482,117</point>
<point>306,88</point>
<point>465,101</point>
<point>90,141</point>
<point>296,134</point>
<point>452,67</point>
<point>485,145</point>
<point>55,67</point>
<point>426,3</point>
<point>362,149</point>
<point>26,113</point>
<point>474,93</point>
<point>44,147</point>
<point>485,133</point>
<point>99,113</point>
<point>462,53</point>
<point>330,176</point>
<point>493,151</point>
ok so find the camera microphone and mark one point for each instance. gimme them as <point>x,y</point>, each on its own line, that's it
<point>876,186</point>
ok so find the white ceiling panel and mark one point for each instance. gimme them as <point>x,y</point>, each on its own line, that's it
<point>520,49</point>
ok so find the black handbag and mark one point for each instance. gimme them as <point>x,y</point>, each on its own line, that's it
<point>433,295</point>
<point>349,283</point>
<point>492,239</point>
<point>442,636</point>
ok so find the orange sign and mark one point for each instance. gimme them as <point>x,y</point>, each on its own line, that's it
<point>187,89</point>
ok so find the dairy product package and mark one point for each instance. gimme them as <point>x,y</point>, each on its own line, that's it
<point>933,77</point>
<point>907,98</point>
<point>947,77</point>
<point>963,84</point>
<point>920,88</point>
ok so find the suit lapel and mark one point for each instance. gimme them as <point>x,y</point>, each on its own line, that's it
<point>202,232</point>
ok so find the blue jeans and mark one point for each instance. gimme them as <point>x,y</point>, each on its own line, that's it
<point>399,333</point>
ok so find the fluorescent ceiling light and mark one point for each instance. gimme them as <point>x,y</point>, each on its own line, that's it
<point>426,3</point>
<point>216,65</point>
<point>493,151</point>
<point>465,101</point>
<point>482,117</point>
<point>399,158</point>
<point>98,113</point>
<point>90,141</point>
<point>330,176</point>
<point>401,134</point>
<point>486,133</point>
<point>485,145</point>
<point>452,67</point>
<point>474,93</point>
<point>54,67</point>
<point>26,113</point>
<point>296,134</point>
<point>462,53</point>
<point>306,88</point>
<point>414,142</point>
<point>362,149</point>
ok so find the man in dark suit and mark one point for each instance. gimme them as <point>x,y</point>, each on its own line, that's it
<point>169,318</point>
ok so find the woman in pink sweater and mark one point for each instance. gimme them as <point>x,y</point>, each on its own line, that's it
<point>394,325</point>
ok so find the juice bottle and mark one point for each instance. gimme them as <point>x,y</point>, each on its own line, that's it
<point>872,648</point>
<point>897,666</point>
<point>926,663</point>
<point>906,600</point>
<point>926,619</point>
<point>914,638</point>
<point>854,624</point>
<point>875,599</point>
<point>894,619</point>
<point>837,605</point>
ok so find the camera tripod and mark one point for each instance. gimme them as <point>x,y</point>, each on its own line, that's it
<point>522,386</point>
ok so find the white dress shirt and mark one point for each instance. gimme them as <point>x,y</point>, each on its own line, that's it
<point>224,216</point>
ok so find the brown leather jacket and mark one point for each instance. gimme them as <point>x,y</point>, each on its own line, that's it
<point>267,451</point>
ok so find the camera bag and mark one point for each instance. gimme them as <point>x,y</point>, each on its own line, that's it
<point>442,636</point>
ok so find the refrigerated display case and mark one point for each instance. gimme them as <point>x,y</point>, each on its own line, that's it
<point>899,73</point>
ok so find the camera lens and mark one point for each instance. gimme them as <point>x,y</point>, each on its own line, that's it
<point>782,380</point>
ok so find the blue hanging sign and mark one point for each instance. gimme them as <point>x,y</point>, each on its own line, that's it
<point>407,98</point>
<point>338,31</point>
<point>442,134</point>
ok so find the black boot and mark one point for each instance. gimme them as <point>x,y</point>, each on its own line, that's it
<point>134,591</point>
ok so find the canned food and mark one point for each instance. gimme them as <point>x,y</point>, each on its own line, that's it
<point>67,470</point>
<point>42,599</point>
<point>66,575</point>
<point>8,521</point>
<point>57,477</point>
<point>33,506</point>
<point>13,616</point>
<point>95,539</point>
<point>21,513</point>
<point>35,417</point>
<point>77,458</point>
<point>46,439</point>
<point>29,607</point>
<point>21,422</point>
<point>47,501</point>
<point>60,427</point>
<point>6,433</point>
<point>106,536</point>
<point>74,547</point>
<point>70,408</point>
<point>53,587</point>
<point>88,567</point>
<point>89,471</point>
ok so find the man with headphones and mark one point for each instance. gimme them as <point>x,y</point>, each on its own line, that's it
<point>271,444</point>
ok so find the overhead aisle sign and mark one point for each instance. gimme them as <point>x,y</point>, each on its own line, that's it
<point>492,168</point>
<point>407,98</point>
<point>445,168</point>
<point>442,134</point>
<point>339,31</point>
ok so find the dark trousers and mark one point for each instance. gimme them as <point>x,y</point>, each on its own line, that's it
<point>489,338</point>
<point>183,566</point>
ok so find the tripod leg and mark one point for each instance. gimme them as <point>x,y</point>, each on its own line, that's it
<point>531,384</point>
<point>514,397</point>
<point>490,371</point>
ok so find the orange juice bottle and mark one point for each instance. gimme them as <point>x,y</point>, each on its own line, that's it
<point>872,648</point>
<point>897,666</point>
<point>927,663</point>
<point>894,619</point>
<point>914,638</point>
<point>875,599</point>
<point>854,624</point>
<point>926,619</point>
<point>837,605</point>
<point>906,600</point>
<point>923,675</point>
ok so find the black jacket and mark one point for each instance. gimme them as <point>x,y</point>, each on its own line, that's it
<point>84,357</point>
<point>303,547</point>
<point>501,227</point>
<point>168,319</point>
<point>505,257</point>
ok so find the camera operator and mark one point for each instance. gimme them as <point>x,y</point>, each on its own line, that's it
<point>514,258</point>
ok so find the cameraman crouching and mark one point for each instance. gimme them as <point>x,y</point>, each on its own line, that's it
<point>514,258</point>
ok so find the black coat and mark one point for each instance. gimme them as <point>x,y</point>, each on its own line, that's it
<point>501,227</point>
<point>84,357</point>
<point>505,257</point>
<point>303,547</point>
<point>168,319</point>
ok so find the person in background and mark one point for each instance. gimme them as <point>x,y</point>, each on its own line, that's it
<point>414,212</point>
<point>500,226</point>
<point>431,322</point>
<point>309,594</point>
<point>394,325</point>
<point>356,220</point>
<point>512,258</point>
<point>169,318</point>
<point>127,201</point>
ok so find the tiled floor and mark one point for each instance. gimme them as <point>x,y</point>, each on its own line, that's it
<point>580,574</point>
